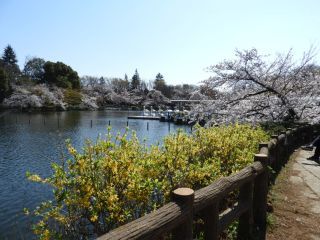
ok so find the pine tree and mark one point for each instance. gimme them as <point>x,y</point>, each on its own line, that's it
<point>135,81</point>
<point>4,83</point>
<point>102,81</point>
<point>9,57</point>
<point>159,76</point>
<point>159,83</point>
<point>9,62</point>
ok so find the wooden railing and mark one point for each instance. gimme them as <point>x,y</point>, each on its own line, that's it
<point>177,218</point>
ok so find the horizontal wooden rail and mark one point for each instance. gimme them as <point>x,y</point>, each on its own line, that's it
<point>207,195</point>
<point>229,215</point>
<point>153,224</point>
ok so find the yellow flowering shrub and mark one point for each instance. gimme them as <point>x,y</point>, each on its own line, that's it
<point>113,181</point>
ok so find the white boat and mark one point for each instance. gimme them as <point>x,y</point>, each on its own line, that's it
<point>146,112</point>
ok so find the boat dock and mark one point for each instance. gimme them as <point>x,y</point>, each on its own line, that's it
<point>176,116</point>
<point>144,117</point>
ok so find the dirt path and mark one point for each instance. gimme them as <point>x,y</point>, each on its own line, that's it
<point>296,200</point>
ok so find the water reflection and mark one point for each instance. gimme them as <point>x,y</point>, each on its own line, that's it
<point>32,141</point>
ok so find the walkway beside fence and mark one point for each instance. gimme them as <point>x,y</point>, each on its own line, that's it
<point>296,200</point>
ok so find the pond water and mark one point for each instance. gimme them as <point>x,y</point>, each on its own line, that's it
<point>32,141</point>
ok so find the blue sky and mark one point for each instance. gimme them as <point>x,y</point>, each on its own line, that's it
<point>177,38</point>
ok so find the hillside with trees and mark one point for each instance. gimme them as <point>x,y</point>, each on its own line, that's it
<point>47,85</point>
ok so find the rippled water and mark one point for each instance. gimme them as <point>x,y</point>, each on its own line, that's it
<point>32,141</point>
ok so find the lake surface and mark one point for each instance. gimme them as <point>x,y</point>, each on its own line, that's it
<point>32,141</point>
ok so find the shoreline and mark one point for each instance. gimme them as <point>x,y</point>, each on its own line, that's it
<point>3,110</point>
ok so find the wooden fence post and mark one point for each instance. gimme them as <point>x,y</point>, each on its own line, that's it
<point>314,134</point>
<point>284,148</point>
<point>298,136</point>
<point>210,216</point>
<point>310,133</point>
<point>184,197</point>
<point>304,134</point>
<point>294,137</point>
<point>260,197</point>
<point>289,140</point>
<point>275,153</point>
<point>246,219</point>
<point>263,148</point>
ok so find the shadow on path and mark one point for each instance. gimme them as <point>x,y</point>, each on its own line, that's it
<point>296,200</point>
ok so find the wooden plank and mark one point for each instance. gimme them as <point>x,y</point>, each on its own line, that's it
<point>208,195</point>
<point>152,225</point>
<point>231,214</point>
<point>210,216</point>
<point>246,219</point>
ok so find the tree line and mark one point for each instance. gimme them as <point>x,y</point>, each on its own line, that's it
<point>250,87</point>
<point>35,71</point>
<point>136,84</point>
<point>38,71</point>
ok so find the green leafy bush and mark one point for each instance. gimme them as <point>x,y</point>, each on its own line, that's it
<point>61,75</point>
<point>72,97</point>
<point>114,181</point>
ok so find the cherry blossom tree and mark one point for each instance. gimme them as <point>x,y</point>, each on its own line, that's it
<point>253,87</point>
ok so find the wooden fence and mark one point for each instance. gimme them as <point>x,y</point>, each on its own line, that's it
<point>178,218</point>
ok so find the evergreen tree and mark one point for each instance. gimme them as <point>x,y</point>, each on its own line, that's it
<point>9,56</point>
<point>159,83</point>
<point>102,81</point>
<point>4,83</point>
<point>61,75</point>
<point>159,76</point>
<point>9,62</point>
<point>135,81</point>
